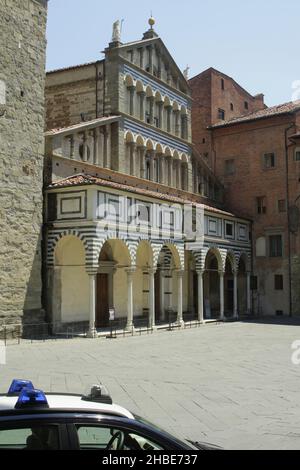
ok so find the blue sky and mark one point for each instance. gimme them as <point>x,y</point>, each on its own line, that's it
<point>253,41</point>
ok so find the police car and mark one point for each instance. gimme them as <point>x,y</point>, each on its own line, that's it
<point>33,420</point>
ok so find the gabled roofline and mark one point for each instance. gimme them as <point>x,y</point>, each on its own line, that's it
<point>212,69</point>
<point>82,125</point>
<point>153,40</point>
<point>73,67</point>
<point>258,116</point>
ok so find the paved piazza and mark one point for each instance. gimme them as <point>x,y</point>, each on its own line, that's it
<point>230,384</point>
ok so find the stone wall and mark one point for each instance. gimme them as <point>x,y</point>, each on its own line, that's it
<point>22,69</point>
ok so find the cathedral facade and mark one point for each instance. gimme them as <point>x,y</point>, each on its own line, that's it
<point>135,222</point>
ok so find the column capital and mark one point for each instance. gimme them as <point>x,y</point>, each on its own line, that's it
<point>131,270</point>
<point>152,271</point>
<point>92,271</point>
<point>221,273</point>
<point>179,272</point>
<point>200,272</point>
<point>133,145</point>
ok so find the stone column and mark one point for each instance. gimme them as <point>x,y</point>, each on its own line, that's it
<point>133,158</point>
<point>100,151</point>
<point>169,111</point>
<point>85,147</point>
<point>170,171</point>
<point>178,174</point>
<point>76,144</point>
<point>72,146</point>
<point>180,297</point>
<point>107,146</point>
<point>130,273</point>
<point>222,313</point>
<point>248,292</point>
<point>143,151</point>
<point>151,100</point>
<point>131,103</point>
<point>235,294</point>
<point>92,333</point>
<point>152,155</point>
<point>162,169</point>
<point>160,114</point>
<point>152,298</point>
<point>177,127</point>
<point>200,296</point>
<point>162,295</point>
<point>142,105</point>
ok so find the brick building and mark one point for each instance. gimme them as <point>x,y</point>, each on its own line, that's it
<point>254,151</point>
<point>22,77</point>
<point>217,97</point>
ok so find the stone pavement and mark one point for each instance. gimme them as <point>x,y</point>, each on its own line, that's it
<point>231,384</point>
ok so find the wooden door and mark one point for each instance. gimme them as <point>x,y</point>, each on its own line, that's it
<point>102,301</point>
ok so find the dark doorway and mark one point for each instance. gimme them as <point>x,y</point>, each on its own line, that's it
<point>102,301</point>
<point>157,296</point>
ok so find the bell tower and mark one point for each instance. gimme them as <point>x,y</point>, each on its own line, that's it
<point>22,75</point>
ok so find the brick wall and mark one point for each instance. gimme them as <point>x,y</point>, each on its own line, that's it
<point>211,91</point>
<point>246,144</point>
<point>71,95</point>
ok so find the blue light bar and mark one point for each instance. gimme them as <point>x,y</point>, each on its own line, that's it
<point>17,386</point>
<point>31,398</point>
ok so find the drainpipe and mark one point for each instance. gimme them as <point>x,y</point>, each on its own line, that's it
<point>288,217</point>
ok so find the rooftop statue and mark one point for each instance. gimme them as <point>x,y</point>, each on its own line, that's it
<point>116,36</point>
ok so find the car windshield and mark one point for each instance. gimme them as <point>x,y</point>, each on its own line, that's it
<point>160,430</point>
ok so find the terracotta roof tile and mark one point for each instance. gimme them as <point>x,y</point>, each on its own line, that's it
<point>285,108</point>
<point>82,125</point>
<point>84,180</point>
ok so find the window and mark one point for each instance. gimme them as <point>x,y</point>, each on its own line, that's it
<point>231,106</point>
<point>221,114</point>
<point>297,155</point>
<point>275,243</point>
<point>278,279</point>
<point>229,229</point>
<point>269,160</point>
<point>282,205</point>
<point>33,438</point>
<point>110,438</point>
<point>246,105</point>
<point>229,167</point>
<point>203,141</point>
<point>222,84</point>
<point>261,204</point>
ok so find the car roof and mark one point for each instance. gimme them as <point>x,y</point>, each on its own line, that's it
<point>68,402</point>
